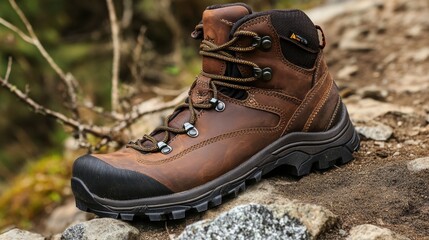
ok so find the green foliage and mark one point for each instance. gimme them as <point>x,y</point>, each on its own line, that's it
<point>41,184</point>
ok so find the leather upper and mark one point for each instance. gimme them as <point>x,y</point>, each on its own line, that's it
<point>295,99</point>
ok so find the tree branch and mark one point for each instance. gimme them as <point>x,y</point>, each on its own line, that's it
<point>102,132</point>
<point>68,78</point>
<point>8,69</point>
<point>116,53</point>
<point>13,28</point>
<point>121,121</point>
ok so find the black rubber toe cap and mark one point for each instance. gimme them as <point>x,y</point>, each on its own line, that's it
<point>106,181</point>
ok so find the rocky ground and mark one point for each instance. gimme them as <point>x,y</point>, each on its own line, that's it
<point>379,55</point>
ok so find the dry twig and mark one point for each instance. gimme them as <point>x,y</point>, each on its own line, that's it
<point>114,25</point>
<point>13,28</point>
<point>67,78</point>
<point>98,131</point>
<point>23,96</point>
<point>121,121</point>
<point>8,69</point>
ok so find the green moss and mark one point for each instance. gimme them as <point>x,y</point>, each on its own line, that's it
<point>40,186</point>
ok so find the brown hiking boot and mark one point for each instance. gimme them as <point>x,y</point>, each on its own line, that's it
<point>264,99</point>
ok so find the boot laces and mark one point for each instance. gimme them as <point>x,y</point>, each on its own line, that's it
<point>208,49</point>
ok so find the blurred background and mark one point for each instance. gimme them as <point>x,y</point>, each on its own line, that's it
<point>156,51</point>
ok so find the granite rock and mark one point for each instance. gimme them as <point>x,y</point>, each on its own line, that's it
<point>101,228</point>
<point>18,234</point>
<point>252,221</point>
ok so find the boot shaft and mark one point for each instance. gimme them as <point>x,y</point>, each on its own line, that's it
<point>288,54</point>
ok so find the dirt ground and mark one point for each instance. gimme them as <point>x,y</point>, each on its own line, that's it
<point>379,54</point>
<point>387,47</point>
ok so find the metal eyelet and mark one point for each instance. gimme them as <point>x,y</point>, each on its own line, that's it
<point>264,74</point>
<point>190,129</point>
<point>266,42</point>
<point>256,41</point>
<point>257,72</point>
<point>164,147</point>
<point>267,74</point>
<point>218,104</point>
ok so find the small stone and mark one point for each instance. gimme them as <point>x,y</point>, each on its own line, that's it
<point>380,144</point>
<point>372,232</point>
<point>396,154</point>
<point>18,234</point>
<point>421,55</point>
<point>414,31</point>
<point>348,71</point>
<point>101,228</point>
<point>390,58</point>
<point>374,92</point>
<point>382,154</point>
<point>56,237</point>
<point>412,142</point>
<point>418,165</point>
<point>342,232</point>
<point>380,221</point>
<point>380,132</point>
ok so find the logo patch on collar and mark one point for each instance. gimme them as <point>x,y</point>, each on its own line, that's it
<point>298,38</point>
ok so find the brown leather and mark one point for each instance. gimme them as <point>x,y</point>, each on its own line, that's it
<point>247,125</point>
<point>217,24</point>
<point>291,79</point>
<point>293,100</point>
<point>323,96</point>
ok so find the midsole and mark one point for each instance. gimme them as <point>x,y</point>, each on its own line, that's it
<point>310,143</point>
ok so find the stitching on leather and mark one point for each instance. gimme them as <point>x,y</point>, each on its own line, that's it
<point>258,106</point>
<point>274,93</point>
<point>334,115</point>
<point>255,105</point>
<point>229,23</point>
<point>210,141</point>
<point>305,103</point>
<point>254,21</point>
<point>318,107</point>
<point>319,62</point>
<point>197,117</point>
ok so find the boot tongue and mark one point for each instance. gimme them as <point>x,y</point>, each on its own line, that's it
<point>217,23</point>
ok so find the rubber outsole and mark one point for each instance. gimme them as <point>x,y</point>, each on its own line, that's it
<point>297,158</point>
